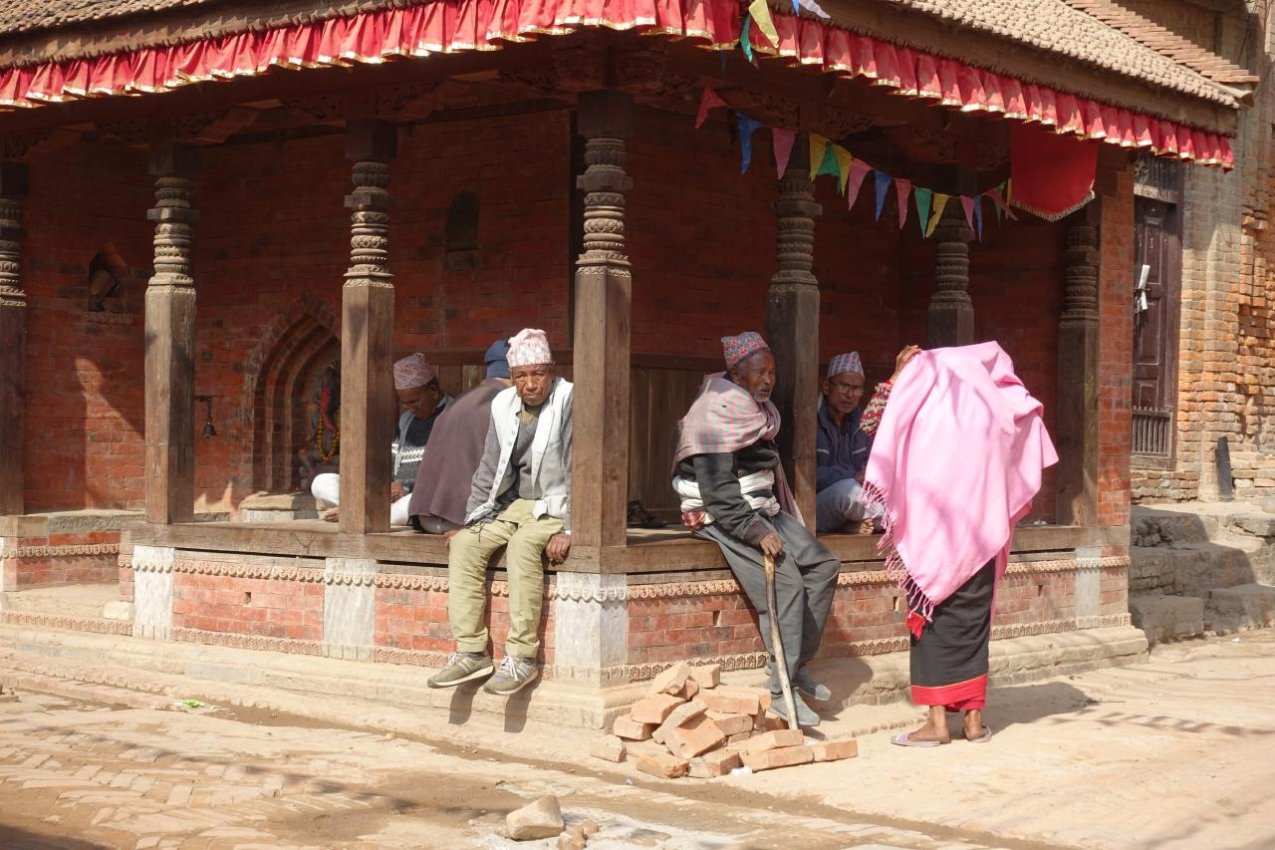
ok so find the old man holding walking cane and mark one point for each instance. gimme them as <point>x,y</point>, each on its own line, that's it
<point>733,492</point>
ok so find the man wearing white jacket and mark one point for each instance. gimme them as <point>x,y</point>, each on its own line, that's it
<point>520,500</point>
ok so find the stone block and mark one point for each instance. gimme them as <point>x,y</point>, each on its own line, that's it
<point>654,709</point>
<point>1246,606</point>
<point>729,703</point>
<point>608,748</point>
<point>732,724</point>
<point>681,715</point>
<point>671,680</point>
<point>663,765</point>
<point>118,609</point>
<point>835,750</point>
<point>714,764</point>
<point>571,841</point>
<point>782,757</point>
<point>632,730</point>
<point>1263,525</point>
<point>707,675</point>
<point>697,736</point>
<point>1164,618</point>
<point>541,819</point>
<point>774,740</point>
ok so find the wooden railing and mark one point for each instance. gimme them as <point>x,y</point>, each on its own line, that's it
<point>1152,431</point>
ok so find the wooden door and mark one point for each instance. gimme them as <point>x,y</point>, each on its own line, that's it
<point>1157,291</point>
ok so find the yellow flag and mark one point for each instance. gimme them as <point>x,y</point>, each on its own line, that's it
<point>843,166</point>
<point>761,14</point>
<point>940,201</point>
<point>818,144</point>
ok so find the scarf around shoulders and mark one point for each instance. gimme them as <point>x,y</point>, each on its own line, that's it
<point>956,462</point>
<point>725,418</point>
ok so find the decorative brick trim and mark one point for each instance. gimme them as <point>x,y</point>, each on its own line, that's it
<point>103,318</point>
<point>348,578</point>
<point>237,570</point>
<point>260,643</point>
<point>75,551</point>
<point>66,623</point>
<point>413,657</point>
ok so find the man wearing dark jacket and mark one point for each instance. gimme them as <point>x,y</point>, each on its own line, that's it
<point>841,453</point>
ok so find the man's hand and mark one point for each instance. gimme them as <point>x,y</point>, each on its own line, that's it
<point>771,545</point>
<point>448,535</point>
<point>902,360</point>
<point>397,491</point>
<point>858,476</point>
<point>558,549</point>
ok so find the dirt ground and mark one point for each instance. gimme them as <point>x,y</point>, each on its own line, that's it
<point>1176,753</point>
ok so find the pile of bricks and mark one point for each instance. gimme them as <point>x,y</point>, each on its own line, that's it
<point>690,724</point>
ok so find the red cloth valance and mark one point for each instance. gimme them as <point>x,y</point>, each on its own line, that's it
<point>450,26</point>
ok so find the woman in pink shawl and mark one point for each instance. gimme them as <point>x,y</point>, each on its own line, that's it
<point>957,458</point>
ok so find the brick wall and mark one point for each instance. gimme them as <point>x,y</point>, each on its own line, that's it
<point>1115,345</point>
<point>275,608</point>
<point>84,408</point>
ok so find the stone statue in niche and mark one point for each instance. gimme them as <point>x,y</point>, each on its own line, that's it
<point>322,447</point>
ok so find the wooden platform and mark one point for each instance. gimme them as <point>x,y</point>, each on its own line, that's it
<point>647,551</point>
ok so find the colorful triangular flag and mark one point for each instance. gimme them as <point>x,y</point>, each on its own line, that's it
<point>760,12</point>
<point>843,165</point>
<point>746,127</point>
<point>923,197</point>
<point>782,141</point>
<point>830,165</point>
<point>940,204</point>
<point>745,37</point>
<point>902,188</point>
<point>708,100</point>
<point>818,145</point>
<point>967,206</point>
<point>883,185</point>
<point>978,216</point>
<point>858,170</point>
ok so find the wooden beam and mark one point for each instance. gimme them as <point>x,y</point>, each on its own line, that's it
<point>170,339</point>
<point>792,326</point>
<point>368,403</point>
<point>603,316</point>
<point>13,334</point>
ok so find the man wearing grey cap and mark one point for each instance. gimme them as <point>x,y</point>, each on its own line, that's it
<point>841,453</point>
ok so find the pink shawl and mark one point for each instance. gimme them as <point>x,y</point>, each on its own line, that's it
<point>956,462</point>
<point>726,418</point>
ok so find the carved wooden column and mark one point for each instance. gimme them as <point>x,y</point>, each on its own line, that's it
<point>951,312</point>
<point>792,326</point>
<point>603,301</point>
<point>170,339</point>
<point>1078,352</point>
<point>368,403</point>
<point>13,334</point>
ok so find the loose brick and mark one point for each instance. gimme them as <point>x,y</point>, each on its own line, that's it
<point>654,709</point>
<point>835,750</point>
<point>729,703</point>
<point>777,739</point>
<point>707,675</point>
<point>697,736</point>
<point>760,694</point>
<point>663,765</point>
<point>628,728</point>
<point>689,690</point>
<point>715,763</point>
<point>782,757</point>
<point>671,680</point>
<point>738,739</point>
<point>763,722</point>
<point>681,715</point>
<point>608,748</point>
<point>732,724</point>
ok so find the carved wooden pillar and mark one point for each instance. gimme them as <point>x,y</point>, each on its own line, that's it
<point>13,334</point>
<point>792,326</point>
<point>368,403</point>
<point>170,339</point>
<point>951,313</point>
<point>603,301</point>
<point>1078,352</point>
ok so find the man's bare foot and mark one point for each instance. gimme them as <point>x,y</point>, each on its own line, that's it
<point>331,514</point>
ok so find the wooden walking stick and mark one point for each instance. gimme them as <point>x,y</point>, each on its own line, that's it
<point>776,642</point>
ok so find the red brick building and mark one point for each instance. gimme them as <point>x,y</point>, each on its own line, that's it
<point>204,205</point>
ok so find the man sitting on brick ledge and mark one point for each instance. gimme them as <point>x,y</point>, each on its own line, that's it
<point>422,400</point>
<point>520,500</point>
<point>734,493</point>
<point>842,452</point>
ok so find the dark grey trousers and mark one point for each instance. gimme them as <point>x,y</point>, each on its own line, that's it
<point>805,581</point>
